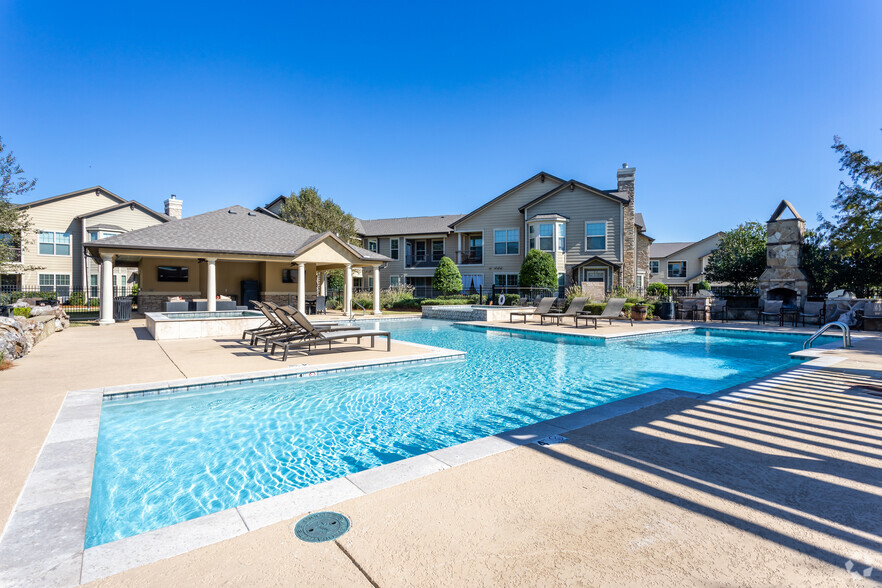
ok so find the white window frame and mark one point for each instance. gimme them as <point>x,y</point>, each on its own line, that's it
<point>517,241</point>
<point>506,274</point>
<point>55,244</point>
<point>685,268</point>
<point>397,248</point>
<point>430,253</point>
<point>561,239</point>
<point>394,281</point>
<point>653,261</point>
<point>54,284</point>
<point>605,224</point>
<point>373,245</point>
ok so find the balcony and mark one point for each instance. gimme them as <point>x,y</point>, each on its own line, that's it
<point>416,261</point>
<point>471,257</point>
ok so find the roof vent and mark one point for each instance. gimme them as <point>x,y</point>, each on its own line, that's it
<point>231,211</point>
<point>252,213</point>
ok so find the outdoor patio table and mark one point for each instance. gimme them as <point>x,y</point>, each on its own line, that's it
<point>790,314</point>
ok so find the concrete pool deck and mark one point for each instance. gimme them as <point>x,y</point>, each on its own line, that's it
<point>669,492</point>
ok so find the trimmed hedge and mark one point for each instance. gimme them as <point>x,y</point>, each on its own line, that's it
<point>10,297</point>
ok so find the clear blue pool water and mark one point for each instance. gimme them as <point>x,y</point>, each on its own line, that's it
<point>166,459</point>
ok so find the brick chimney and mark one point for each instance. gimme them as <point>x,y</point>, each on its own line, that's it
<point>174,207</point>
<point>625,177</point>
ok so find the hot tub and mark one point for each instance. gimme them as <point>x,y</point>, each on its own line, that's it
<point>201,324</point>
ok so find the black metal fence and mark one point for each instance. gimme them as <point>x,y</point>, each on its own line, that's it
<point>79,303</point>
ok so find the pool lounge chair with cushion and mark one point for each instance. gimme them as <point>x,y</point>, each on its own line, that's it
<point>542,307</point>
<point>611,311</point>
<point>771,308</point>
<point>812,310</point>
<point>575,307</point>
<point>314,336</point>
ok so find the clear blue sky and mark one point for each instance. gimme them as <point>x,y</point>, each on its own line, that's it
<point>415,108</point>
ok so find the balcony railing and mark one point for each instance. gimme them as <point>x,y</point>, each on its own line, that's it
<point>471,257</point>
<point>420,261</point>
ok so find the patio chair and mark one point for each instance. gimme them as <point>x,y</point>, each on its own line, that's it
<point>687,307</point>
<point>314,336</point>
<point>611,311</point>
<point>575,307</point>
<point>812,310</point>
<point>542,307</point>
<point>271,326</point>
<point>699,312</point>
<point>872,311</point>
<point>321,304</point>
<point>293,330</point>
<point>721,308</point>
<point>771,308</point>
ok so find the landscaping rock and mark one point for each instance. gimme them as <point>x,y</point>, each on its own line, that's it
<point>18,335</point>
<point>13,341</point>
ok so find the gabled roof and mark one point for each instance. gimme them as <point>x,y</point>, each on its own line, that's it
<point>105,227</point>
<point>548,216</point>
<point>267,212</point>
<point>572,185</point>
<point>660,250</point>
<point>274,200</point>
<point>412,225</point>
<point>785,205</point>
<point>596,259</point>
<point>42,201</point>
<point>131,203</point>
<point>233,229</point>
<point>541,175</point>
<point>638,220</point>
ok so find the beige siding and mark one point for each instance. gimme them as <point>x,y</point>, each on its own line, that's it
<point>503,215</point>
<point>397,267</point>
<point>581,207</point>
<point>692,256</point>
<point>59,217</point>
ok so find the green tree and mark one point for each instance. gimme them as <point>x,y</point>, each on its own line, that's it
<point>335,280</point>
<point>740,258</point>
<point>307,209</point>
<point>447,278</point>
<point>15,223</point>
<point>856,228</point>
<point>538,270</point>
<point>658,289</point>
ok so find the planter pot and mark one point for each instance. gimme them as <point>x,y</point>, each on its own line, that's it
<point>638,312</point>
<point>666,311</point>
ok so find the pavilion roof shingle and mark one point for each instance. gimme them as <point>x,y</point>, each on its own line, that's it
<point>233,229</point>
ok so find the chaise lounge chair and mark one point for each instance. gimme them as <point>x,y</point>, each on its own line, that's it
<point>542,307</point>
<point>314,336</point>
<point>611,311</point>
<point>575,307</point>
<point>292,329</point>
<point>272,325</point>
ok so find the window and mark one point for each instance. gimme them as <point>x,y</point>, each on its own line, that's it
<point>561,236</point>
<point>505,279</point>
<point>505,241</point>
<point>561,280</point>
<point>289,276</point>
<point>640,281</point>
<point>420,251</point>
<point>595,236</point>
<point>93,235</point>
<point>653,266</point>
<point>546,237</point>
<point>58,283</point>
<point>393,248</point>
<point>93,286</point>
<point>54,243</point>
<point>676,269</point>
<point>168,273</point>
<point>394,280</point>
<point>372,245</point>
<point>437,250</point>
<point>476,248</point>
<point>595,275</point>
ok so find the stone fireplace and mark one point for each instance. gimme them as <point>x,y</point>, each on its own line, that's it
<point>784,278</point>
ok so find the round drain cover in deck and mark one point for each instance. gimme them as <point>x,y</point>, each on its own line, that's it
<point>321,526</point>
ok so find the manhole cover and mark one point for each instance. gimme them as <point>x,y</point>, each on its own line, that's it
<point>321,526</point>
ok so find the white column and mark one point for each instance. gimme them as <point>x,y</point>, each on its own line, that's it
<point>211,287</point>
<point>323,289</point>
<point>347,290</point>
<point>377,309</point>
<point>106,290</point>
<point>301,288</point>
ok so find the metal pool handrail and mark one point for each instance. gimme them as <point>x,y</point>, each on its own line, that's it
<point>846,334</point>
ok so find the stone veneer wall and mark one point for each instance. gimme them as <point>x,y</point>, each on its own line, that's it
<point>469,313</point>
<point>643,256</point>
<point>626,185</point>
<point>151,302</point>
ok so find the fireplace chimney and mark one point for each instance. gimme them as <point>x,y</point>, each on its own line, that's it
<point>174,207</point>
<point>784,278</point>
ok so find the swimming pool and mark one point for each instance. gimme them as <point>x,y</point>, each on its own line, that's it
<point>165,459</point>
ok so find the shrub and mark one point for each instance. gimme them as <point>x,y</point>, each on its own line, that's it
<point>407,304</point>
<point>10,297</point>
<point>447,278</point>
<point>24,311</point>
<point>94,302</point>
<point>703,285</point>
<point>448,300</point>
<point>658,289</point>
<point>595,307</point>
<point>77,299</point>
<point>395,295</point>
<point>538,270</point>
